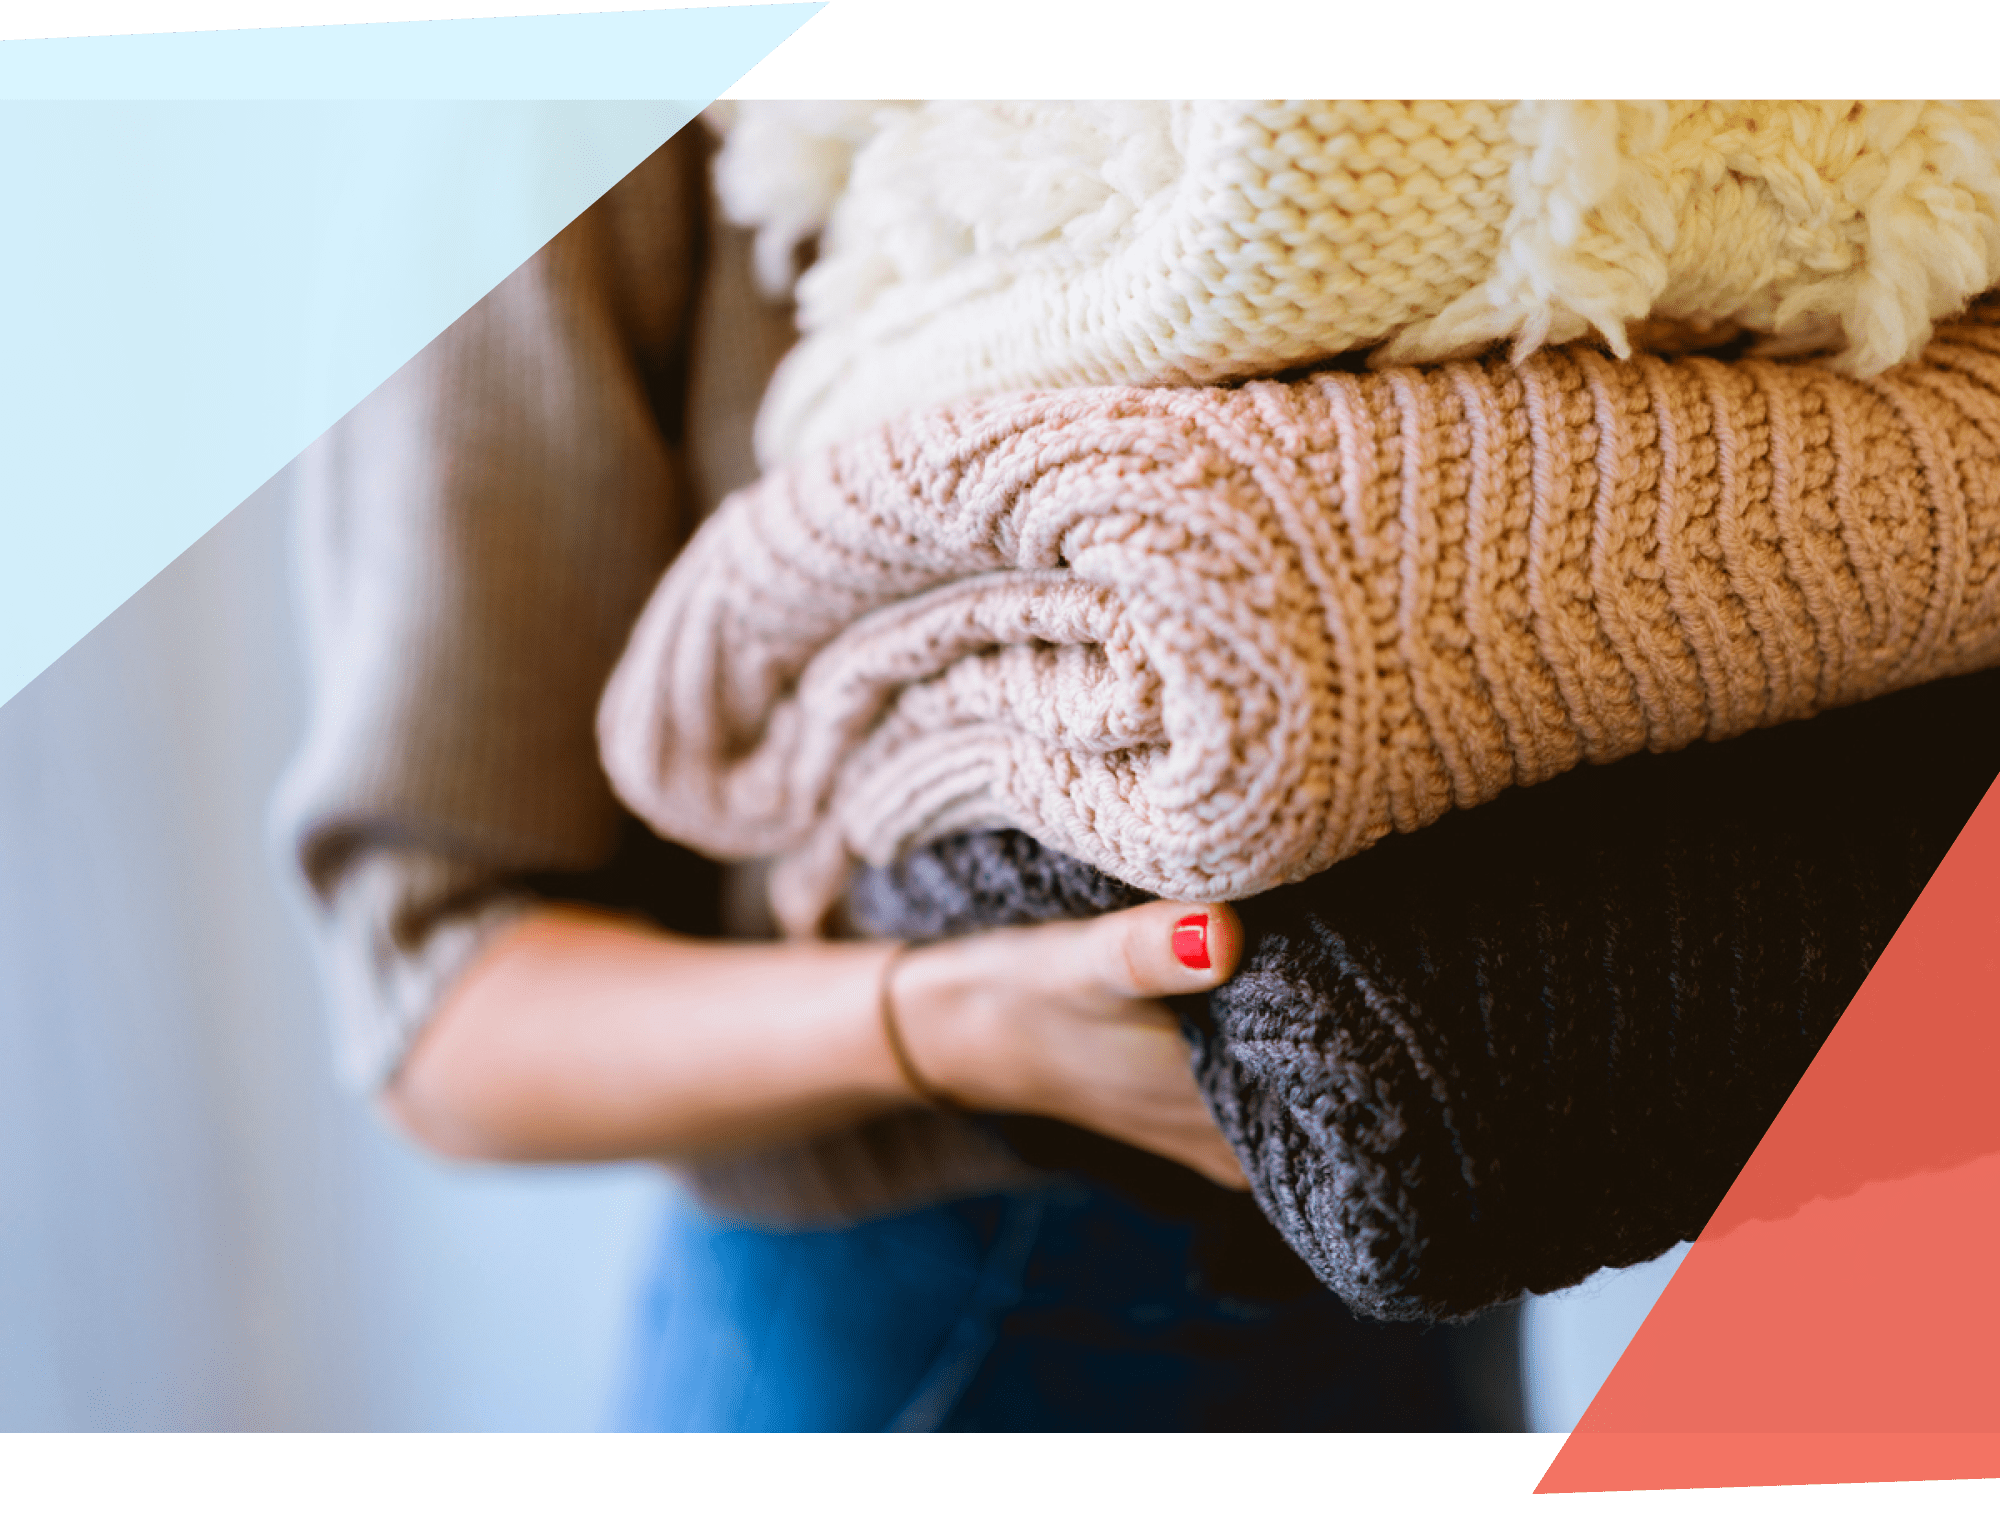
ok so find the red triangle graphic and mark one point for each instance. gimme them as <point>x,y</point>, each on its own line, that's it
<point>1838,1320</point>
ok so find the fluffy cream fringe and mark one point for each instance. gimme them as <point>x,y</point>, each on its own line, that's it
<point>968,247</point>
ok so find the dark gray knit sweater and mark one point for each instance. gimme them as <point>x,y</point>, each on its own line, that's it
<point>1544,1035</point>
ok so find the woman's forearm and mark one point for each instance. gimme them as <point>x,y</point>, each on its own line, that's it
<point>579,1035</point>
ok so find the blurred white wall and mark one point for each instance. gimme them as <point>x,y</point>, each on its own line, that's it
<point>1570,1340</point>
<point>197,1229</point>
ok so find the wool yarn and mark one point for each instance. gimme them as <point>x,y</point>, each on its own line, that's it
<point>1543,1036</point>
<point>977,247</point>
<point>1210,641</point>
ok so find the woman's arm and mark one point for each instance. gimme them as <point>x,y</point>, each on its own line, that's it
<point>577,1035</point>
<point>474,542</point>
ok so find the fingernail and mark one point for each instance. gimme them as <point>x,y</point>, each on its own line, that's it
<point>1191,941</point>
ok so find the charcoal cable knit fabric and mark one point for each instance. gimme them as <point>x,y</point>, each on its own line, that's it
<point>977,247</point>
<point>1542,1036</point>
<point>1211,641</point>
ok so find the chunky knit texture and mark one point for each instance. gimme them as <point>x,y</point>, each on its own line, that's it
<point>974,247</point>
<point>1544,1036</point>
<point>1211,641</point>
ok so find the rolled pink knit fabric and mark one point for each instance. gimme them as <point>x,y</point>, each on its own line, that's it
<point>1212,640</point>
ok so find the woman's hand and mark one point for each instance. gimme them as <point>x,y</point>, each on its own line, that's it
<point>1061,1020</point>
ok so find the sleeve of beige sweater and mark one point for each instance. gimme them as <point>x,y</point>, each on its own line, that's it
<point>475,539</point>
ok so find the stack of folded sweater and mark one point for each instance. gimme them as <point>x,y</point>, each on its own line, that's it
<point>1211,612</point>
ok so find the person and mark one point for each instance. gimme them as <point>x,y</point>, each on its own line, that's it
<point>522,973</point>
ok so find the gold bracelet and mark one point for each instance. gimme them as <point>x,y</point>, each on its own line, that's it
<point>919,1086</point>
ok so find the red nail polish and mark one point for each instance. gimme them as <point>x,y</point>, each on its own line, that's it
<point>1191,941</point>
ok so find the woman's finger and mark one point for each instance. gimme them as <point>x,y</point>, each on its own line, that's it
<point>1212,1156</point>
<point>1160,949</point>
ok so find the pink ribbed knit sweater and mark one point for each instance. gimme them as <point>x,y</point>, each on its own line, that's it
<point>1213,640</point>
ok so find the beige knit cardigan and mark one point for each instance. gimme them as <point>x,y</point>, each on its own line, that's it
<point>974,247</point>
<point>1211,640</point>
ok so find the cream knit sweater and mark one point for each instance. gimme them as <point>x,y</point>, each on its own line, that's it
<point>968,248</point>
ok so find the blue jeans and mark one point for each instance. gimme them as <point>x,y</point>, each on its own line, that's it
<point>1063,1308</point>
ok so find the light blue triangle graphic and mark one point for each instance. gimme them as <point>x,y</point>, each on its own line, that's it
<point>196,289</point>
<point>690,54</point>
